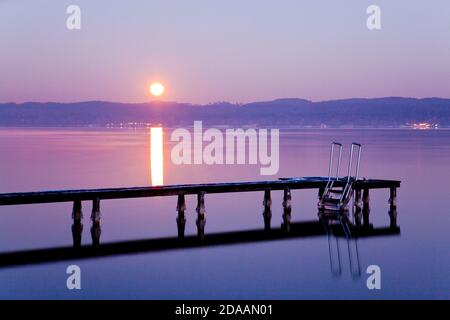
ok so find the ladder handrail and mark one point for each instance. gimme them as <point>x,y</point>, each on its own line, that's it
<point>350,163</point>
<point>347,187</point>
<point>359,158</point>
<point>330,166</point>
<point>339,162</point>
<point>330,182</point>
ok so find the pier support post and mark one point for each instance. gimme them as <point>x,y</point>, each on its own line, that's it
<point>287,208</point>
<point>267,214</point>
<point>320,193</point>
<point>201,220</point>
<point>393,207</point>
<point>77,225</point>
<point>366,207</point>
<point>95,217</point>
<point>181,218</point>
<point>358,207</point>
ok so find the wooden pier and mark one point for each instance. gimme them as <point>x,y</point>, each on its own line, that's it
<point>361,200</point>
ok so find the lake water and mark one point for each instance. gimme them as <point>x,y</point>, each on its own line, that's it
<point>415,264</point>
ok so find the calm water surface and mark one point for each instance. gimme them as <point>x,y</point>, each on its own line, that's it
<point>415,264</point>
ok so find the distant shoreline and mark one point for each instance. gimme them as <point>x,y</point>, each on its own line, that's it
<point>297,113</point>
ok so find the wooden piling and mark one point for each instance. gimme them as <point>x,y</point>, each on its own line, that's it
<point>96,231</point>
<point>181,218</point>
<point>267,214</point>
<point>77,225</point>
<point>95,217</point>
<point>321,191</point>
<point>77,212</point>
<point>358,205</point>
<point>287,208</point>
<point>201,211</point>
<point>393,207</point>
<point>366,207</point>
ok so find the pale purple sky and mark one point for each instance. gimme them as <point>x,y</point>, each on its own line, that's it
<point>233,50</point>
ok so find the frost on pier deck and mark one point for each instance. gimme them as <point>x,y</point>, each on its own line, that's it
<point>186,189</point>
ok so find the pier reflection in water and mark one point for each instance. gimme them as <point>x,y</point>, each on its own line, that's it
<point>336,227</point>
<point>343,225</point>
<point>331,222</point>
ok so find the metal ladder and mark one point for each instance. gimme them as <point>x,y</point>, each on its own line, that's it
<point>337,198</point>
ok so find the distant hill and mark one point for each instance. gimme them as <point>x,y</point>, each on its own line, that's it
<point>379,112</point>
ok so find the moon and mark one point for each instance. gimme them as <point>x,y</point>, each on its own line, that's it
<point>156,89</point>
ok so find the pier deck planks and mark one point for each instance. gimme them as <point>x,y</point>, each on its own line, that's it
<point>172,190</point>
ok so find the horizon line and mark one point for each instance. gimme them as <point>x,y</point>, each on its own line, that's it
<point>226,102</point>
